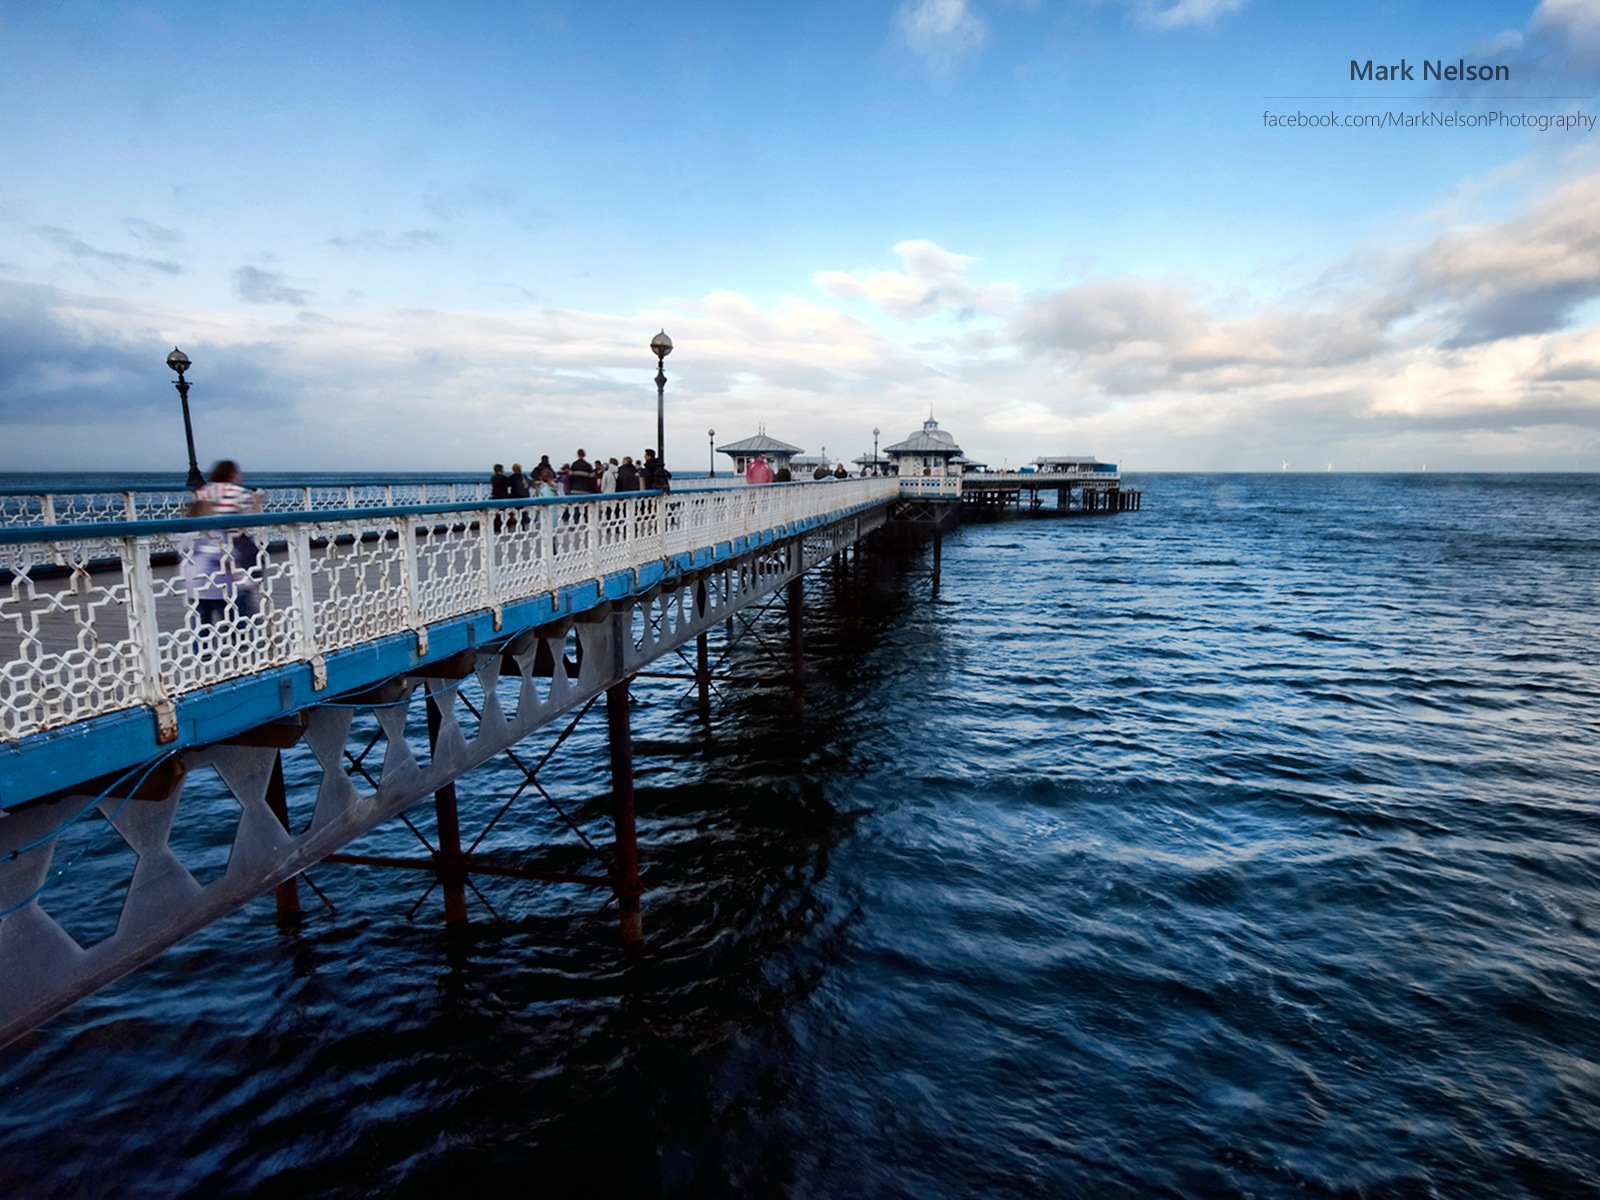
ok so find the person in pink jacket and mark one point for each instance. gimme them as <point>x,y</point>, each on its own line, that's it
<point>758,471</point>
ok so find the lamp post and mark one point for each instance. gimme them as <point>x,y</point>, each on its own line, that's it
<point>662,345</point>
<point>711,436</point>
<point>875,450</point>
<point>179,362</point>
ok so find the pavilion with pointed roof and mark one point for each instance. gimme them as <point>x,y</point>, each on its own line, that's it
<point>929,451</point>
<point>761,446</point>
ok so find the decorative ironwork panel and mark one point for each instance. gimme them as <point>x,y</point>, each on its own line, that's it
<point>224,611</point>
<point>449,571</point>
<point>359,582</point>
<point>521,538</point>
<point>154,504</point>
<point>931,486</point>
<point>93,621</point>
<point>67,649</point>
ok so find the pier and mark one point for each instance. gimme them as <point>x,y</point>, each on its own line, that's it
<point>399,639</point>
<point>1098,488</point>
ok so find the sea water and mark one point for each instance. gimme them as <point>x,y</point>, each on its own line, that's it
<point>1246,845</point>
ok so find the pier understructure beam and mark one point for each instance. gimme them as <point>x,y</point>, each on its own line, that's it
<point>928,517</point>
<point>275,831</point>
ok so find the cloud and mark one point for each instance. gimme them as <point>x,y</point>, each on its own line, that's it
<point>935,280</point>
<point>255,286</point>
<point>52,367</point>
<point>460,200</point>
<point>941,32</point>
<point>1103,315</point>
<point>1525,275</point>
<point>411,239</point>
<point>93,256</point>
<point>1183,13</point>
<point>1468,349</point>
<point>945,33</point>
<point>146,231</point>
<point>1135,337</point>
<point>96,369</point>
<point>1517,278</point>
<point>1506,42</point>
<point>1560,46</point>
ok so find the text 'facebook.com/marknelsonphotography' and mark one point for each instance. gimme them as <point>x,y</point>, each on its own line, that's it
<point>1576,121</point>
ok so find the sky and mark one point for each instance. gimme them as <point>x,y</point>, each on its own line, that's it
<point>399,236</point>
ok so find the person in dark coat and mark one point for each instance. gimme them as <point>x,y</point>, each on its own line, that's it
<point>519,482</point>
<point>627,476</point>
<point>499,488</point>
<point>580,476</point>
<point>653,473</point>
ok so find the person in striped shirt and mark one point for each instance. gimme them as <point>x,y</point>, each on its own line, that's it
<point>226,493</point>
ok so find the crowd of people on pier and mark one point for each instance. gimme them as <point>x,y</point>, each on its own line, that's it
<point>760,470</point>
<point>218,566</point>
<point>580,477</point>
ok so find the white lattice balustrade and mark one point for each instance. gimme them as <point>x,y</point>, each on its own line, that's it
<point>99,618</point>
<point>164,504</point>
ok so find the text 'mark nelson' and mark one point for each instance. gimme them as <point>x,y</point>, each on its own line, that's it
<point>1434,68</point>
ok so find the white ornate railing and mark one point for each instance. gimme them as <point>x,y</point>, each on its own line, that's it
<point>96,618</point>
<point>930,486</point>
<point>157,504</point>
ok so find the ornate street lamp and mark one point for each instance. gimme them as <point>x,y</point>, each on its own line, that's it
<point>874,449</point>
<point>662,345</point>
<point>179,362</point>
<point>711,436</point>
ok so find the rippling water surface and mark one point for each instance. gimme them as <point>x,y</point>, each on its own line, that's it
<point>1245,845</point>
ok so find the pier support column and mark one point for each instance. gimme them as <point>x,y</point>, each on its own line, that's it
<point>938,550</point>
<point>797,649</point>
<point>702,652</point>
<point>452,872</point>
<point>855,582</point>
<point>287,893</point>
<point>626,869</point>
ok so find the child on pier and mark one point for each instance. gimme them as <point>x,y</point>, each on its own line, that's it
<point>207,581</point>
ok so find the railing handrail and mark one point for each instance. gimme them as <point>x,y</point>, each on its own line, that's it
<point>128,628</point>
<point>17,535</point>
<point>279,500</point>
<point>86,489</point>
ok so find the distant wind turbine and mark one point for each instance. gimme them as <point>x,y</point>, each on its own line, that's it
<point>1330,466</point>
<point>1285,464</point>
